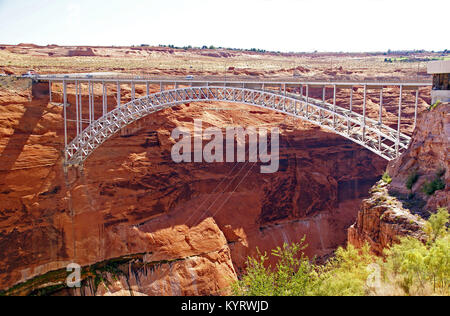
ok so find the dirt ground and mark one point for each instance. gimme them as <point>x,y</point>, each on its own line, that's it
<point>164,61</point>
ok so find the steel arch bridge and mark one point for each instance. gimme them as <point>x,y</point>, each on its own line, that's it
<point>371,134</point>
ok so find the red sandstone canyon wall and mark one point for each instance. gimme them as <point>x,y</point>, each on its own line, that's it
<point>195,223</point>
<point>394,210</point>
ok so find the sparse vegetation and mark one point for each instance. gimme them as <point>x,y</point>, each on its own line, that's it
<point>410,267</point>
<point>430,187</point>
<point>435,105</point>
<point>412,179</point>
<point>440,172</point>
<point>387,178</point>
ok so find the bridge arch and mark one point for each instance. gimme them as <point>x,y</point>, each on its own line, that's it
<point>378,138</point>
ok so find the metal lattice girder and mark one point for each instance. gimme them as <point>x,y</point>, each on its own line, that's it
<point>378,138</point>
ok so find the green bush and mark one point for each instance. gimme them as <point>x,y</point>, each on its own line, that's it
<point>412,179</point>
<point>440,172</point>
<point>410,267</point>
<point>292,277</point>
<point>346,274</point>
<point>387,178</point>
<point>429,188</point>
<point>418,268</point>
<point>435,105</point>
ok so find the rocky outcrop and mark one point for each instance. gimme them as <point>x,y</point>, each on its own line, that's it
<point>397,209</point>
<point>382,220</point>
<point>426,160</point>
<point>85,51</point>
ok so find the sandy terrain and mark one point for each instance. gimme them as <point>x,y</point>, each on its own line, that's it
<point>162,61</point>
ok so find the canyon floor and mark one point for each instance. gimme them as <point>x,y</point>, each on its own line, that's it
<point>167,228</point>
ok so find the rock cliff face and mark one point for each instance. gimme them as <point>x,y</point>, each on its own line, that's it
<point>426,160</point>
<point>398,209</point>
<point>192,225</point>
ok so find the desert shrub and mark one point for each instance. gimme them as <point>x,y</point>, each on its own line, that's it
<point>440,172</point>
<point>346,274</point>
<point>419,268</point>
<point>429,188</point>
<point>436,225</point>
<point>435,105</point>
<point>410,267</point>
<point>292,276</point>
<point>387,178</point>
<point>412,179</point>
<point>258,280</point>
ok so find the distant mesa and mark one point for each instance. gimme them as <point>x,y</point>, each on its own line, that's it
<point>81,52</point>
<point>28,45</point>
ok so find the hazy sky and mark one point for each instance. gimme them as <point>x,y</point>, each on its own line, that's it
<point>285,25</point>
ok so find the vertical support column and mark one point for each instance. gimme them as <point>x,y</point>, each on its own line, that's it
<point>147,88</point>
<point>351,110</point>
<point>76,108</point>
<point>80,91</point>
<point>50,90</point>
<point>284,100</point>
<point>351,99</point>
<point>90,102</point>
<point>334,106</point>
<point>133,91</point>
<point>416,107</point>
<point>119,94</point>
<point>65,117</point>
<point>307,98</point>
<point>105,99</point>
<point>380,119</point>
<point>324,94</point>
<point>161,87</point>
<point>397,144</point>
<point>364,114</point>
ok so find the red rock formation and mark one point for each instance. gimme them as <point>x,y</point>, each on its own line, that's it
<point>87,51</point>
<point>382,220</point>
<point>387,214</point>
<point>193,221</point>
<point>427,155</point>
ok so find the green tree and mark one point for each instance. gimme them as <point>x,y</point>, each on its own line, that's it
<point>293,275</point>
<point>422,268</point>
<point>346,274</point>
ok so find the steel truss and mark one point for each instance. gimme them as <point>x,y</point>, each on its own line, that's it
<point>371,134</point>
